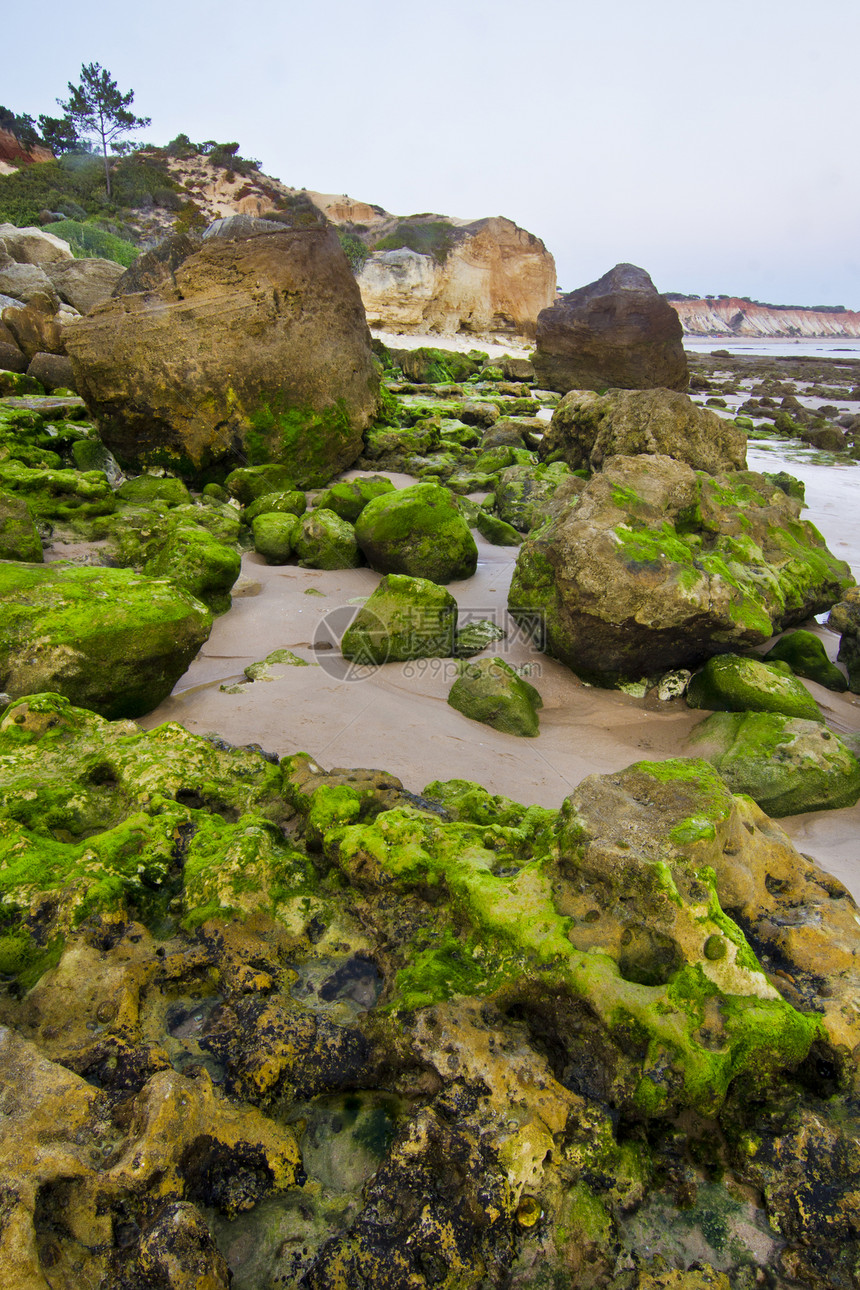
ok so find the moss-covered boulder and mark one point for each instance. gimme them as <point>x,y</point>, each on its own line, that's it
<point>429,366</point>
<point>196,561</point>
<point>476,636</point>
<point>490,691</point>
<point>805,654</point>
<point>59,495</point>
<point>586,428</point>
<point>290,502</point>
<point>348,497</point>
<point>655,566</point>
<point>418,531</point>
<point>19,538</point>
<point>107,639</point>
<point>324,541</point>
<point>148,490</point>
<point>522,493</point>
<point>405,618</point>
<point>248,483</point>
<point>274,535</point>
<point>496,530</point>
<point>786,764</point>
<point>730,683</point>
<point>252,346</point>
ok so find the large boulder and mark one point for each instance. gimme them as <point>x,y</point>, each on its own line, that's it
<point>419,531</point>
<point>83,284</point>
<point>33,245</point>
<point>492,692</point>
<point>616,332</point>
<point>587,427</point>
<point>657,566</point>
<point>252,348</point>
<point>107,639</point>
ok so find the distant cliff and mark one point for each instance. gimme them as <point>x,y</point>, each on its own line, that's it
<point>731,316</point>
<point>14,154</point>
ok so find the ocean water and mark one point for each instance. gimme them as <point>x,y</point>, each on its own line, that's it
<point>782,347</point>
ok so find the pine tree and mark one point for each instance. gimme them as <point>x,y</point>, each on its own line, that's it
<point>97,106</point>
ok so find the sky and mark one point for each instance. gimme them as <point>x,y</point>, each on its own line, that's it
<point>715,145</point>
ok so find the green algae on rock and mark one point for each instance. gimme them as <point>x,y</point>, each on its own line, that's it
<point>785,764</point>
<point>731,683</point>
<point>491,691</point>
<point>107,639</point>
<point>805,654</point>
<point>348,497</point>
<point>656,566</point>
<point>554,1004</point>
<point>19,538</point>
<point>322,540</point>
<point>404,618</point>
<point>274,535</point>
<point>418,531</point>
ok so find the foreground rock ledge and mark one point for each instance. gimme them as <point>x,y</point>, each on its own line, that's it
<point>296,1027</point>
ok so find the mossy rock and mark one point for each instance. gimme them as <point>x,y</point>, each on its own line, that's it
<point>786,764</point>
<point>491,691</point>
<point>59,494</point>
<point>476,636</point>
<point>247,483</point>
<point>147,490</point>
<point>91,454</point>
<point>805,654</point>
<point>19,385</point>
<point>19,538</point>
<point>730,683</point>
<point>195,560</point>
<point>348,497</point>
<point>274,535</point>
<point>292,502</point>
<point>405,618</point>
<point>264,670</point>
<point>422,438</point>
<point>324,541</point>
<point>107,639</point>
<point>496,530</point>
<point>522,493</point>
<point>418,531</point>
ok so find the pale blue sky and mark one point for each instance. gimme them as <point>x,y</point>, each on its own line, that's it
<point>715,145</point>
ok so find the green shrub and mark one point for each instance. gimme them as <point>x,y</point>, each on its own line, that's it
<point>88,241</point>
<point>433,237</point>
<point>353,248</point>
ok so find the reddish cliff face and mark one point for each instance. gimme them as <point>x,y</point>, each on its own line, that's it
<point>729,316</point>
<point>13,155</point>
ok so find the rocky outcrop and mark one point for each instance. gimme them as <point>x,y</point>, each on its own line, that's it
<point>616,332</point>
<point>731,316</point>
<point>497,1031</point>
<point>108,639</point>
<point>586,428</point>
<point>656,566</point>
<point>253,348</point>
<point>494,276</point>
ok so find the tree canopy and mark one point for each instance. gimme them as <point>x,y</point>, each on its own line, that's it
<point>97,106</point>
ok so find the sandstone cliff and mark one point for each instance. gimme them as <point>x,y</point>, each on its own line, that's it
<point>494,276</point>
<point>730,316</point>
